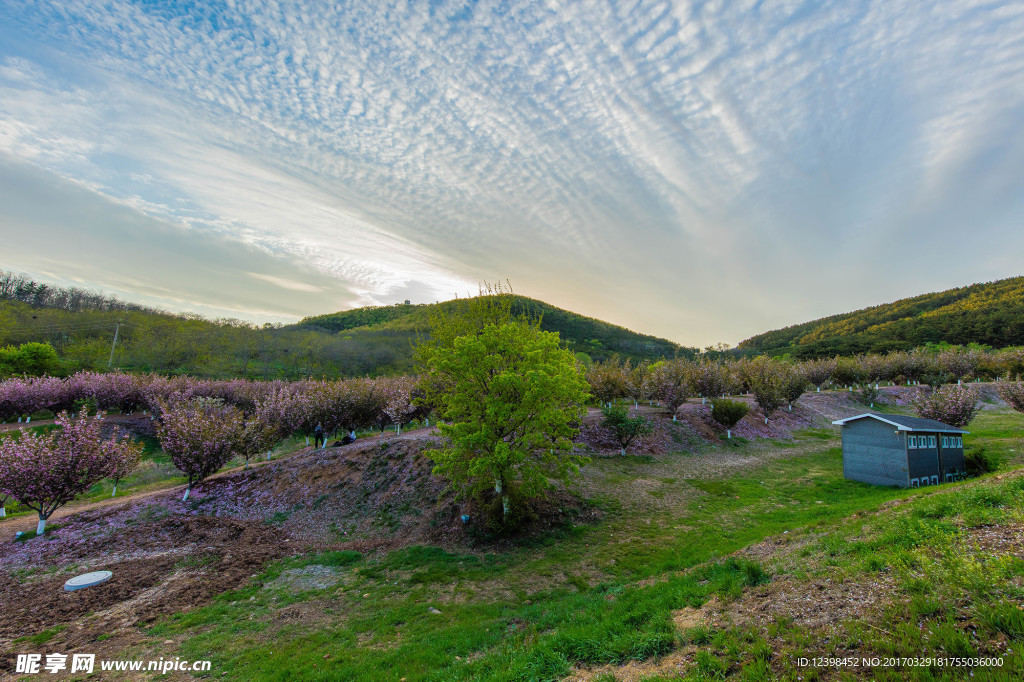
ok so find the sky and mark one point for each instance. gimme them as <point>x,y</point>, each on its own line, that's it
<point>701,171</point>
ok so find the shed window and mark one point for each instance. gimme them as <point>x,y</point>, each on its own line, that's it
<point>912,442</point>
<point>945,441</point>
<point>959,442</point>
<point>931,441</point>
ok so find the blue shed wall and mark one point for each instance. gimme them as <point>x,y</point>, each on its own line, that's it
<point>874,453</point>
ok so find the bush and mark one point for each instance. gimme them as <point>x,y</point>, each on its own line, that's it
<point>979,460</point>
<point>728,413</point>
<point>868,395</point>
<point>625,428</point>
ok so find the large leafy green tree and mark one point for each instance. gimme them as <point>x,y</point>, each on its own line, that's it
<point>511,401</point>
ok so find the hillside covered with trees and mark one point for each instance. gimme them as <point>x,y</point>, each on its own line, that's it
<point>600,340</point>
<point>81,326</point>
<point>990,313</point>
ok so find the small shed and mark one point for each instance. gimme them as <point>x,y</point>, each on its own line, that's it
<point>908,452</point>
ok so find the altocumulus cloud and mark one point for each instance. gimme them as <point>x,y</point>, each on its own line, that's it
<point>698,170</point>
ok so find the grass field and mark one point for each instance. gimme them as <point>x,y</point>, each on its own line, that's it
<point>589,599</point>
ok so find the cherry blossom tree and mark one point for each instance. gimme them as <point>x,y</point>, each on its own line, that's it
<point>709,380</point>
<point>638,382</point>
<point>953,405</point>
<point>959,362</point>
<point>793,383</point>
<point>200,436</point>
<point>767,383</point>
<point>122,463</point>
<point>607,382</point>
<point>818,372</point>
<point>671,384</point>
<point>45,472</point>
<point>1012,392</point>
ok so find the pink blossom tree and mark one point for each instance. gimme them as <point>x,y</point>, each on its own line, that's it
<point>123,463</point>
<point>45,472</point>
<point>767,381</point>
<point>1012,392</point>
<point>607,381</point>
<point>818,372</point>
<point>953,405</point>
<point>709,380</point>
<point>671,384</point>
<point>200,436</point>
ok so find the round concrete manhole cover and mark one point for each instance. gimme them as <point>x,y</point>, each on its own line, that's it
<point>87,580</point>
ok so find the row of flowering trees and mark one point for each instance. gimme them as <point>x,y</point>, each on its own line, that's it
<point>776,383</point>
<point>46,471</point>
<point>201,427</point>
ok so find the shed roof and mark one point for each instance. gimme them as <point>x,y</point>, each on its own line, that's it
<point>903,423</point>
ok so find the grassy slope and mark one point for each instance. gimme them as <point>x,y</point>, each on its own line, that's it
<point>987,313</point>
<point>606,593</point>
<point>581,334</point>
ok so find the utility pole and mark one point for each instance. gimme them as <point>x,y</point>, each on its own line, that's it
<point>117,328</point>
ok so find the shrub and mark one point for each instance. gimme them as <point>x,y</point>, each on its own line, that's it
<point>728,413</point>
<point>625,428</point>
<point>979,460</point>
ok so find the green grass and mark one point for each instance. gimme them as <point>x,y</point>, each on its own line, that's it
<point>605,593</point>
<point>533,611</point>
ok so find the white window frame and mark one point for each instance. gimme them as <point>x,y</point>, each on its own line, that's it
<point>931,442</point>
<point>912,442</point>
<point>959,442</point>
<point>945,442</point>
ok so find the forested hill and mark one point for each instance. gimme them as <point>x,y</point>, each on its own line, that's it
<point>991,313</point>
<point>81,326</point>
<point>581,334</point>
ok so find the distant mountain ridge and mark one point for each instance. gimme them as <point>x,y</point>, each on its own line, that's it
<point>597,338</point>
<point>990,313</point>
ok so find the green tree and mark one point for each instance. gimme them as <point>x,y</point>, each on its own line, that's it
<point>626,428</point>
<point>728,413</point>
<point>509,410</point>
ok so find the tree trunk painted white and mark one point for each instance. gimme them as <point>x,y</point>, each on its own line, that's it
<point>623,453</point>
<point>819,389</point>
<point>703,400</point>
<point>352,434</point>
<point>41,526</point>
<point>19,420</point>
<point>728,433</point>
<point>426,422</point>
<point>307,441</point>
<point>791,407</point>
<point>187,491</point>
<point>766,420</point>
<point>959,382</point>
<point>504,507</point>
<point>28,419</point>
<point>497,485</point>
<point>114,494</point>
<point>398,431</point>
<point>246,467</point>
<point>673,416</point>
<point>268,455</point>
<point>3,512</point>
